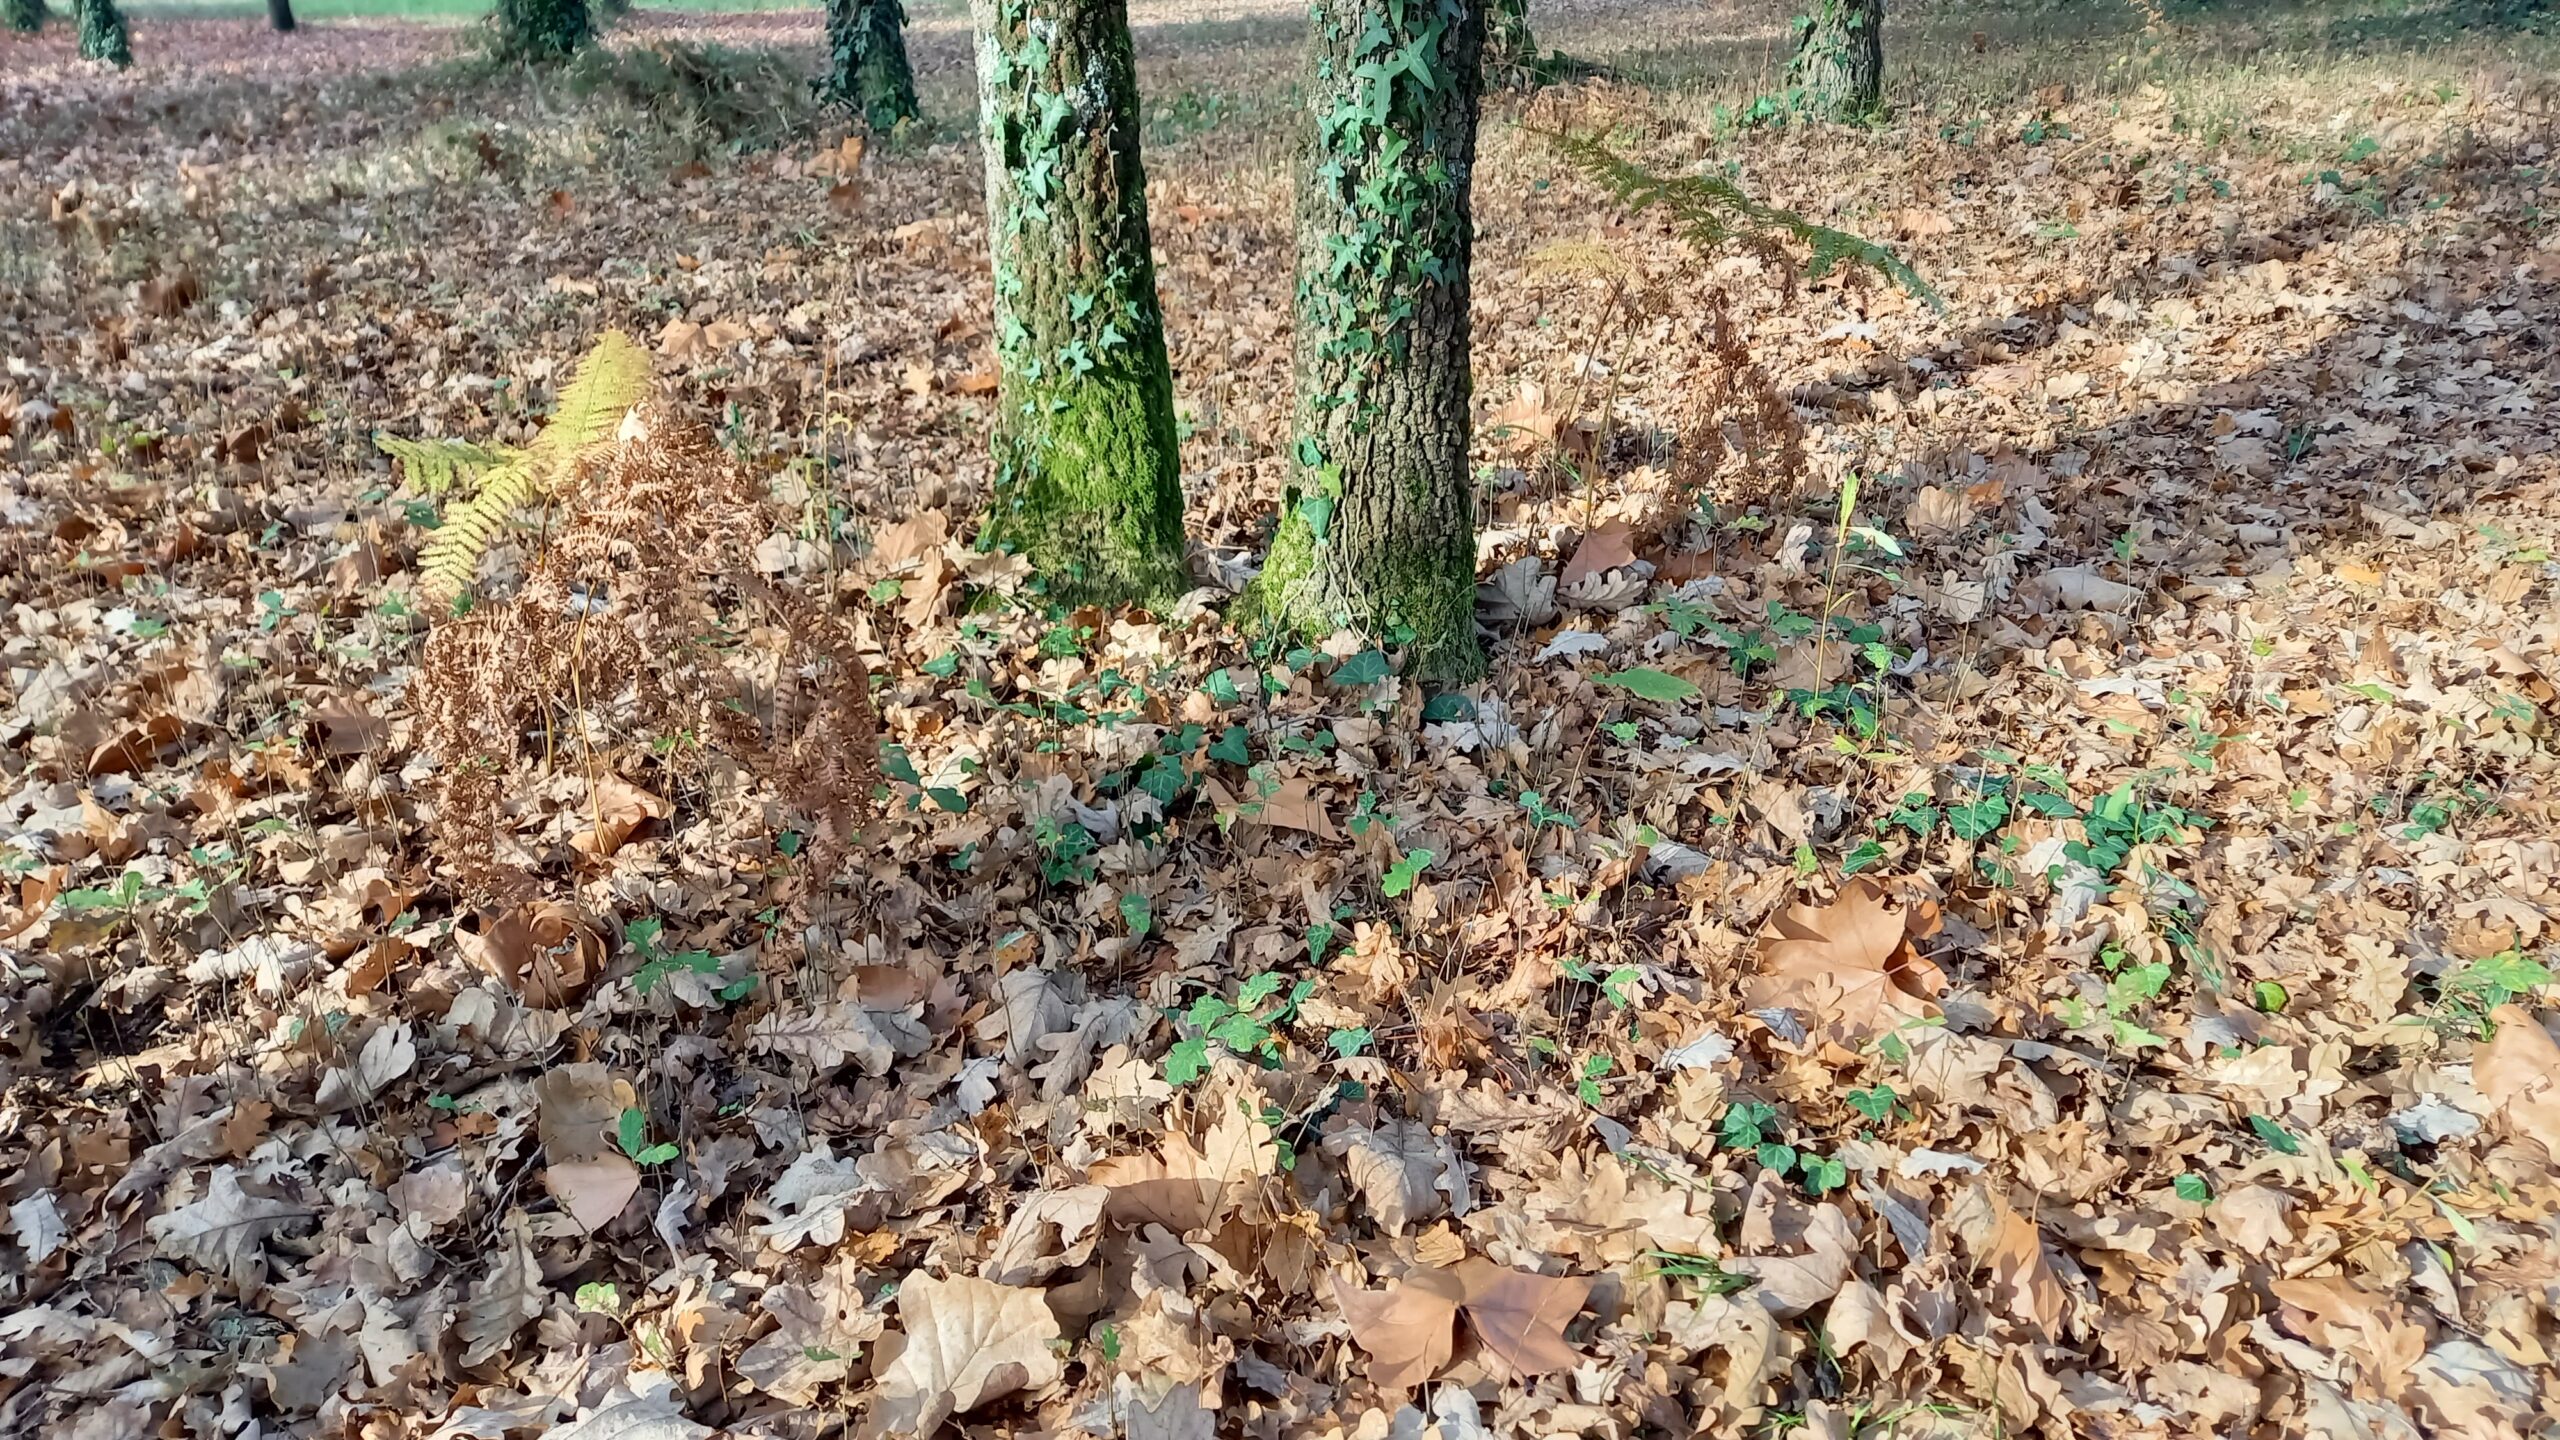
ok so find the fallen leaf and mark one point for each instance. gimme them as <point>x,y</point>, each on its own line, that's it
<point>504,1299</point>
<point>1521,1316</point>
<point>967,1341</point>
<point>226,1231</point>
<point>1408,1328</point>
<point>1845,965</point>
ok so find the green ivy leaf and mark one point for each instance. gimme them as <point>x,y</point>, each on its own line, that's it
<point>1187,1061</point>
<point>1646,683</point>
<point>1138,913</point>
<point>1403,873</point>
<point>1234,747</point>
<point>2192,1188</point>
<point>633,1131</point>
<point>2275,1135</point>
<point>658,1154</point>
<point>1347,1043</point>
<point>1778,1156</point>
<point>1822,1175</point>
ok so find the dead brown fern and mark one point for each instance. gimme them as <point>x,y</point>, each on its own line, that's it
<point>631,624</point>
<point>1741,443</point>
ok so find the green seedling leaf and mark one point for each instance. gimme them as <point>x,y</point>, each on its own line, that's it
<point>1646,683</point>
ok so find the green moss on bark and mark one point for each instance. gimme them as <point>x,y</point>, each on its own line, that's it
<point>1378,533</point>
<point>103,35</point>
<point>867,70</point>
<point>1088,466</point>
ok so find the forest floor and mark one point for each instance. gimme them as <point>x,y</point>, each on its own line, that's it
<point>2024,907</point>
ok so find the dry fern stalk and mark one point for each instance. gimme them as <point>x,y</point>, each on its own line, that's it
<point>629,630</point>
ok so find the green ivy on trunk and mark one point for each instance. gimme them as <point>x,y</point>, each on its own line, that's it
<point>1378,532</point>
<point>867,62</point>
<point>102,33</point>
<point>1087,465</point>
<point>1838,67</point>
<point>543,31</point>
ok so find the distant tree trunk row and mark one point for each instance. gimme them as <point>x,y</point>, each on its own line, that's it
<point>24,16</point>
<point>867,61</point>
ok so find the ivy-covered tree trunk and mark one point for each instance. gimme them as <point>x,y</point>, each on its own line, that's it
<point>1510,51</point>
<point>867,61</point>
<point>280,16</point>
<point>102,33</point>
<point>1838,68</point>
<point>1378,532</point>
<point>1087,465</point>
<point>24,16</point>
<point>543,31</point>
<point>613,9</point>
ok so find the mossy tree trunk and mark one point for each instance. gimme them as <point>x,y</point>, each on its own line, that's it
<point>1510,51</point>
<point>102,33</point>
<point>612,9</point>
<point>867,61</point>
<point>1838,68</point>
<point>543,31</point>
<point>1378,532</point>
<point>24,16</point>
<point>280,16</point>
<point>1087,465</point>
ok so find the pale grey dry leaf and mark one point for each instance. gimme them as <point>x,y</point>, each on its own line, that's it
<point>504,1299</point>
<point>1400,1168</point>
<point>1520,593</point>
<point>36,1221</point>
<point>1035,1005</point>
<point>808,1201</point>
<point>227,1230</point>
<point>653,1413</point>
<point>1048,1232</point>
<point>432,1197</point>
<point>387,1055</point>
<point>838,1031</point>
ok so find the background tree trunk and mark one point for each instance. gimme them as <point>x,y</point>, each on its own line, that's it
<point>280,16</point>
<point>1838,67</point>
<point>1379,529</point>
<point>867,61</point>
<point>1088,469</point>
<point>102,33</point>
<point>613,9</point>
<point>24,16</point>
<point>1510,51</point>
<point>543,31</point>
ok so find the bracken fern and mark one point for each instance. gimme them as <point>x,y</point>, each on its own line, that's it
<point>1713,213</point>
<point>607,382</point>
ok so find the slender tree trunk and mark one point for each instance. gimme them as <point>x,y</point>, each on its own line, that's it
<point>280,16</point>
<point>1838,68</point>
<point>1379,529</point>
<point>102,33</point>
<point>1087,466</point>
<point>543,31</point>
<point>867,61</point>
<point>613,9</point>
<point>24,16</point>
<point>1510,51</point>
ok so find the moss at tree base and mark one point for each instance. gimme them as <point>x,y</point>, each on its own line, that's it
<point>1086,489</point>
<point>1412,594</point>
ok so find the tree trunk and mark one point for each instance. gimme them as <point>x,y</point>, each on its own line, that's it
<point>543,31</point>
<point>280,16</point>
<point>1087,466</point>
<point>1838,69</point>
<point>867,61</point>
<point>1510,51</point>
<point>24,16</point>
<point>102,33</point>
<point>1378,532</point>
<point>613,9</point>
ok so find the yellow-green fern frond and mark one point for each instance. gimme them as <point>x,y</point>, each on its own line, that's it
<point>446,566</point>
<point>609,380</point>
<point>434,467</point>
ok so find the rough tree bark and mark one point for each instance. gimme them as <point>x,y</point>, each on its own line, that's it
<point>280,16</point>
<point>867,61</point>
<point>1087,465</point>
<point>102,33</point>
<point>1838,67</point>
<point>1378,532</point>
<point>1510,51</point>
<point>24,16</point>
<point>543,31</point>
